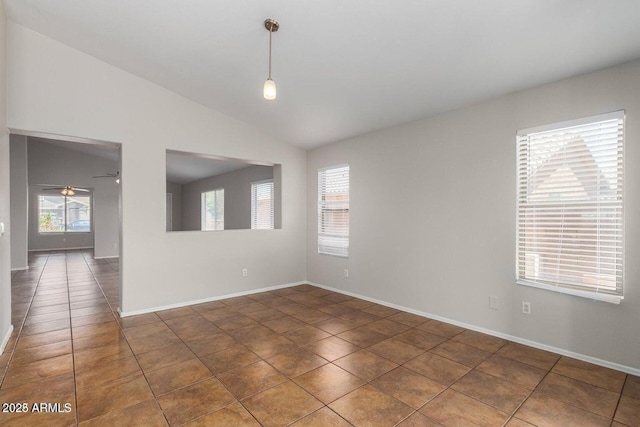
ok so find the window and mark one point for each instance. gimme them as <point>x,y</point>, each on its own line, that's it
<point>213,210</point>
<point>333,211</point>
<point>570,216</point>
<point>262,205</point>
<point>64,214</point>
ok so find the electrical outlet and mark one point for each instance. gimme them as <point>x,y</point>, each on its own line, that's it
<point>526,307</point>
<point>346,272</point>
<point>493,303</point>
<point>245,272</point>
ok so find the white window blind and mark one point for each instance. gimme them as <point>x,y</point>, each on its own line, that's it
<point>262,205</point>
<point>570,207</point>
<point>213,210</point>
<point>333,211</point>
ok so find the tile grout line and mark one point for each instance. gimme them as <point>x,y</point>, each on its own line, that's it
<point>22,324</point>
<point>626,378</point>
<point>73,352</point>
<point>115,316</point>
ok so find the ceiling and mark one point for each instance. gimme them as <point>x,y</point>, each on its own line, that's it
<point>183,168</point>
<point>104,151</point>
<point>343,68</point>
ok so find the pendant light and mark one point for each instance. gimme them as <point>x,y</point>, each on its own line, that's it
<point>269,85</point>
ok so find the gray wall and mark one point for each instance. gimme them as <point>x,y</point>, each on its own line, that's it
<point>433,210</point>
<point>237,197</point>
<point>5,246</point>
<point>54,165</point>
<point>19,202</point>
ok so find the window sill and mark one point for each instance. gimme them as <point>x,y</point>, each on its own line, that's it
<point>613,299</point>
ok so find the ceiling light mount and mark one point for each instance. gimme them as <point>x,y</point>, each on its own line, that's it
<point>271,25</point>
<point>269,90</point>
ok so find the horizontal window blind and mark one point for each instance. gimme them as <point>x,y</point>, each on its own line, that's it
<point>262,205</point>
<point>333,211</point>
<point>570,206</point>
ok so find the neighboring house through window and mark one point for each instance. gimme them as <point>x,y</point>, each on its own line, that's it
<point>213,210</point>
<point>64,214</point>
<point>333,211</point>
<point>570,207</point>
<point>262,205</point>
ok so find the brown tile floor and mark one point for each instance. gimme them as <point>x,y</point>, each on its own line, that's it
<point>300,356</point>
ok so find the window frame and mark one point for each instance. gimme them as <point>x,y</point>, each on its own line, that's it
<point>254,211</point>
<point>41,194</point>
<point>203,209</point>
<point>338,250</point>
<point>585,290</point>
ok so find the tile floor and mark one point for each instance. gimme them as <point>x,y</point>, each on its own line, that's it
<point>300,356</point>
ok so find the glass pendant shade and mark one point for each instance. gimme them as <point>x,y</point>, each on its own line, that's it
<point>269,90</point>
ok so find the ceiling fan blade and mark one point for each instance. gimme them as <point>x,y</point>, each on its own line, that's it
<point>80,189</point>
<point>54,188</point>
<point>108,175</point>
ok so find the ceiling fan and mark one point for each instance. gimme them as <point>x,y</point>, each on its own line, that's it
<point>67,190</point>
<point>110,175</point>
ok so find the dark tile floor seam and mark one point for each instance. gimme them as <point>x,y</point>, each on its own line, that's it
<point>117,318</point>
<point>73,353</point>
<point>615,411</point>
<point>18,332</point>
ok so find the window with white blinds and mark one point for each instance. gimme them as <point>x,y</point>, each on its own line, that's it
<point>570,207</point>
<point>333,211</point>
<point>212,216</point>
<point>262,205</point>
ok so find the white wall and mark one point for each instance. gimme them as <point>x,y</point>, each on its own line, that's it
<point>19,202</point>
<point>5,246</point>
<point>237,197</point>
<point>433,213</point>
<point>59,90</point>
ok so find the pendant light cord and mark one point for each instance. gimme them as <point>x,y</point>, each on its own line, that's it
<point>270,33</point>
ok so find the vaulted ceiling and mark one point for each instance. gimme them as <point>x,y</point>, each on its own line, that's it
<point>343,68</point>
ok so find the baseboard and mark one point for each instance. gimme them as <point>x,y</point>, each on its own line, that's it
<point>106,257</point>
<point>209,299</point>
<point>61,249</point>
<point>20,268</point>
<point>523,341</point>
<point>6,339</point>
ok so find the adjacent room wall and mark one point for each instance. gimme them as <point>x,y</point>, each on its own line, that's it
<point>54,165</point>
<point>19,202</point>
<point>56,89</point>
<point>175,190</point>
<point>237,197</point>
<point>433,209</point>
<point>5,246</point>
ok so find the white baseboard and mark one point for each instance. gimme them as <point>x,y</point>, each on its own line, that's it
<point>61,249</point>
<point>534,344</point>
<point>20,268</point>
<point>106,257</point>
<point>6,339</point>
<point>209,299</point>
